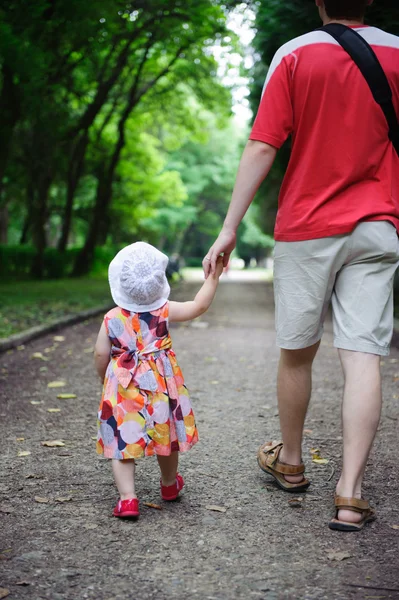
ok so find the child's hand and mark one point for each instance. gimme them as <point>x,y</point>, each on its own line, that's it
<point>219,267</point>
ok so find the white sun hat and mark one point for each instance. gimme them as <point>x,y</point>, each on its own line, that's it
<point>137,278</point>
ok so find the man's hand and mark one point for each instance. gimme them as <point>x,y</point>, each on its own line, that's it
<point>225,245</point>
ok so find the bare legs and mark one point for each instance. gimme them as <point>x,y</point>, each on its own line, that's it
<point>294,387</point>
<point>124,474</point>
<point>168,466</point>
<point>361,411</point>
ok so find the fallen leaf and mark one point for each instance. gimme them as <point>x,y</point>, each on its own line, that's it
<point>316,458</point>
<point>395,396</point>
<point>394,526</point>
<point>338,555</point>
<point>42,500</point>
<point>22,347</point>
<point>56,384</point>
<point>53,443</point>
<point>36,402</point>
<point>66,396</point>
<point>64,499</point>
<point>24,453</point>
<point>393,360</point>
<point>33,476</point>
<point>25,583</point>
<point>59,338</point>
<point>215,508</point>
<point>88,350</point>
<point>152,505</point>
<point>20,439</point>
<point>40,356</point>
<point>215,382</point>
<point>307,431</point>
<point>43,369</point>
<point>4,592</point>
<point>94,437</point>
<point>51,349</point>
<point>53,410</point>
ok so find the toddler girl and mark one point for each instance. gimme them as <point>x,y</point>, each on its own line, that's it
<point>145,407</point>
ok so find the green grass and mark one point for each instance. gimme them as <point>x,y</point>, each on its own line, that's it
<point>25,304</point>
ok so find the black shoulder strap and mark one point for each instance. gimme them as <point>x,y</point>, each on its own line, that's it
<point>365,58</point>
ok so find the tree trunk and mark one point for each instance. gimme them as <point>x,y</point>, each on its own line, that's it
<point>3,224</point>
<point>30,199</point>
<point>75,170</point>
<point>39,214</point>
<point>9,115</point>
<point>85,258</point>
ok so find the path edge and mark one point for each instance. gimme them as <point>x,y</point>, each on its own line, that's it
<point>35,332</point>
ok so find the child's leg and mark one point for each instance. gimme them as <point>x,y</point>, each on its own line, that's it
<point>124,471</point>
<point>168,466</point>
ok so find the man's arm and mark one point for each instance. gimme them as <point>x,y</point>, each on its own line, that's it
<point>255,164</point>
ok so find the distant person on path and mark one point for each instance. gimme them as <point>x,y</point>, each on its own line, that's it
<point>145,407</point>
<point>336,238</point>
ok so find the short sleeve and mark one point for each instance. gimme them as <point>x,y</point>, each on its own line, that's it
<point>113,323</point>
<point>274,120</point>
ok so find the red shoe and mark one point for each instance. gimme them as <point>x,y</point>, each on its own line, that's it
<point>170,492</point>
<point>127,509</point>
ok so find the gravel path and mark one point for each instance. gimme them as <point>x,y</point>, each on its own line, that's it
<point>261,546</point>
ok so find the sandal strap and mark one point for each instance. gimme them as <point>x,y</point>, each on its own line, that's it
<point>289,469</point>
<point>281,467</point>
<point>354,504</point>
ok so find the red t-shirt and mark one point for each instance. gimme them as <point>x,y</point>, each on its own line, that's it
<point>343,168</point>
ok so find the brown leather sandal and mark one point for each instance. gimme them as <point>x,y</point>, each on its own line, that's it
<point>355,505</point>
<point>269,463</point>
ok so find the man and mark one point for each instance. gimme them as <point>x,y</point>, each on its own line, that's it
<point>336,238</point>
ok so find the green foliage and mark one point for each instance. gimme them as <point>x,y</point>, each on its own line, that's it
<point>26,304</point>
<point>251,241</point>
<point>16,261</point>
<point>93,99</point>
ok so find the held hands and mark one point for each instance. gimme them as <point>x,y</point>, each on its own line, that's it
<point>225,245</point>
<point>219,267</point>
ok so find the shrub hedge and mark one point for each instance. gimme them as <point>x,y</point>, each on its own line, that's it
<point>16,261</point>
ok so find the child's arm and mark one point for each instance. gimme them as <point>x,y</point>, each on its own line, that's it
<point>102,352</point>
<point>186,311</point>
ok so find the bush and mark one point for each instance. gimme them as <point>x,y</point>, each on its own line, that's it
<point>193,261</point>
<point>16,261</point>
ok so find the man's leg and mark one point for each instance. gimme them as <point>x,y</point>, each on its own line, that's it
<point>361,411</point>
<point>363,323</point>
<point>294,387</point>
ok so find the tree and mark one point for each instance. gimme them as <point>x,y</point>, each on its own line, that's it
<point>71,72</point>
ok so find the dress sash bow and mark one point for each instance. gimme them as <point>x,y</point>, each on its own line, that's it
<point>125,364</point>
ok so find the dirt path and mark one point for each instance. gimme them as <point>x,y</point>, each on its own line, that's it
<point>262,547</point>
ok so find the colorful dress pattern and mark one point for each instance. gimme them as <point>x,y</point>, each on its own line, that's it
<point>145,407</point>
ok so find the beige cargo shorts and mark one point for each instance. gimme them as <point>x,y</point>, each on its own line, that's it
<point>354,272</point>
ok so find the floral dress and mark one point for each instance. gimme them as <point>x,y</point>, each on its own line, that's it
<point>145,407</point>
